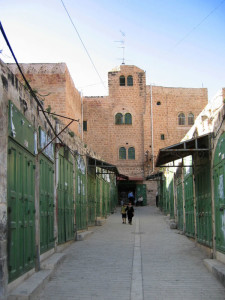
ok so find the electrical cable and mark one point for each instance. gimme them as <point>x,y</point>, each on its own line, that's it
<point>195,27</point>
<point>27,83</point>
<point>83,44</point>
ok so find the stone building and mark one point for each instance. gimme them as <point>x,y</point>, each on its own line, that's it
<point>127,127</point>
<point>53,84</point>
<point>130,125</point>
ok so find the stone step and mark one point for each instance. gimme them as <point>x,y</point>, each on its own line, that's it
<point>217,268</point>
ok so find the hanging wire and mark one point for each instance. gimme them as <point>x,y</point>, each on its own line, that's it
<point>27,83</point>
<point>83,44</point>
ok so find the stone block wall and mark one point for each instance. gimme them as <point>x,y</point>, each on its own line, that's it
<point>53,84</point>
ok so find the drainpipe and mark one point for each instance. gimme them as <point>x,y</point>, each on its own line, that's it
<point>82,116</point>
<point>153,168</point>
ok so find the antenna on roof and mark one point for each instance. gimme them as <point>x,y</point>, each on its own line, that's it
<point>122,42</point>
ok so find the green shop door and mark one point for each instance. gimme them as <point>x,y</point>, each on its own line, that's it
<point>141,192</point>
<point>203,204</point>
<point>65,198</point>
<point>81,202</point>
<point>46,204</point>
<point>219,193</point>
<point>21,210</point>
<point>91,186</point>
<point>189,206</point>
<point>180,210</point>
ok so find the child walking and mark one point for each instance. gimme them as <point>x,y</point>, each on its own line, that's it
<point>124,213</point>
<point>130,213</point>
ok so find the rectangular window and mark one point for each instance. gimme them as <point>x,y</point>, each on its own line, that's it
<point>162,137</point>
<point>84,125</point>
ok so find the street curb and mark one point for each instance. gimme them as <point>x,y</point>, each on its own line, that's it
<point>32,286</point>
<point>83,235</point>
<point>217,268</point>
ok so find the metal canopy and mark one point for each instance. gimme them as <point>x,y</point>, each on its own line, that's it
<point>155,176</point>
<point>94,162</point>
<point>199,144</point>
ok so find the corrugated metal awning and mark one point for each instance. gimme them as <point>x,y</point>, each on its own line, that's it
<point>155,176</point>
<point>94,162</point>
<point>199,144</point>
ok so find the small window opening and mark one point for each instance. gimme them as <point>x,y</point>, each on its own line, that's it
<point>119,119</point>
<point>122,153</point>
<point>84,125</point>
<point>158,103</point>
<point>181,119</point>
<point>190,119</point>
<point>122,80</point>
<point>130,80</point>
<point>131,153</point>
<point>128,118</point>
<point>162,137</point>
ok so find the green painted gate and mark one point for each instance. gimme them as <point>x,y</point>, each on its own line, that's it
<point>98,197</point>
<point>219,193</point>
<point>180,210</point>
<point>203,203</point>
<point>171,199</point>
<point>189,203</point>
<point>21,211</point>
<point>141,192</point>
<point>20,194</point>
<point>46,192</point>
<point>81,202</point>
<point>46,196</point>
<point>65,197</point>
<point>91,186</point>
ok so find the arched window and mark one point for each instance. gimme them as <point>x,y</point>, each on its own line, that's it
<point>190,119</point>
<point>131,153</point>
<point>130,80</point>
<point>119,119</point>
<point>181,119</point>
<point>122,153</point>
<point>122,80</point>
<point>128,118</point>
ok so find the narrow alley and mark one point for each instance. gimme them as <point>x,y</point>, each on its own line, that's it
<point>143,261</point>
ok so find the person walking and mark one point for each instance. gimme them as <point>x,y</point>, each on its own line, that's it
<point>123,212</point>
<point>130,212</point>
<point>131,197</point>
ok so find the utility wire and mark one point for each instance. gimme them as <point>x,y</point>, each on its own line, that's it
<point>200,23</point>
<point>83,44</point>
<point>27,83</point>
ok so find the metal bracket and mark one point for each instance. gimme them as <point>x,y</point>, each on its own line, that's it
<point>55,137</point>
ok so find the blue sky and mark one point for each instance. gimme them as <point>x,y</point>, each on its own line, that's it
<point>179,43</point>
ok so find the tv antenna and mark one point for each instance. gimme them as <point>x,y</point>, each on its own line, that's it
<point>122,42</point>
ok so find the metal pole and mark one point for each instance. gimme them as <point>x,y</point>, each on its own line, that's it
<point>153,167</point>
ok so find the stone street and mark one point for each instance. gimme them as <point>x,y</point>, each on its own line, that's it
<point>143,261</point>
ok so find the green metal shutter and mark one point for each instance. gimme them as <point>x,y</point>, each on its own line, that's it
<point>203,204</point>
<point>189,206</point>
<point>180,211</point>
<point>46,204</point>
<point>141,192</point>
<point>65,199</point>
<point>219,193</point>
<point>21,211</point>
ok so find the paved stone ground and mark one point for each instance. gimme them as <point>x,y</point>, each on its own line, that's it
<point>143,261</point>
